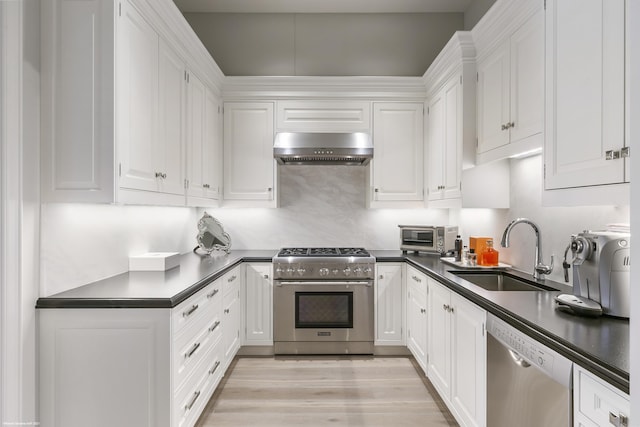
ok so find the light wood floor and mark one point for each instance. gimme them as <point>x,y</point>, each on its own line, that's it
<point>319,391</point>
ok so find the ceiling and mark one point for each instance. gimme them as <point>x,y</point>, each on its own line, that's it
<point>323,6</point>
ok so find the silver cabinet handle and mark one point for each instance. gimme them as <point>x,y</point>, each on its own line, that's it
<point>195,397</point>
<point>445,307</point>
<point>231,279</point>
<point>422,310</point>
<point>215,366</point>
<point>206,186</point>
<point>214,326</point>
<point>190,311</point>
<point>226,310</point>
<point>266,276</point>
<point>161,175</point>
<point>193,349</point>
<point>381,276</point>
<point>212,293</point>
<point>417,279</point>
<point>618,420</point>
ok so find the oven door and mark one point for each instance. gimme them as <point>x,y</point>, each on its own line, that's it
<point>323,311</point>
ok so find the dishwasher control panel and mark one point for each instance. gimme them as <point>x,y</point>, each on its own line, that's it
<point>534,353</point>
<point>531,351</point>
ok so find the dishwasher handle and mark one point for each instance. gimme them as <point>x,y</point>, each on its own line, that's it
<point>519,360</point>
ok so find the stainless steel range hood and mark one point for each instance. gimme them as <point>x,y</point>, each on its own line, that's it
<point>298,148</point>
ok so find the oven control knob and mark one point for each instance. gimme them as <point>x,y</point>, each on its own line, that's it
<point>357,270</point>
<point>290,270</point>
<point>279,270</point>
<point>335,271</point>
<point>367,270</point>
<point>347,271</point>
<point>301,271</point>
<point>324,271</point>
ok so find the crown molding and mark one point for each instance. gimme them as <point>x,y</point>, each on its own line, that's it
<point>288,87</point>
<point>458,52</point>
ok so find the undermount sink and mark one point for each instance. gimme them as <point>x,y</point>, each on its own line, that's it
<point>499,281</point>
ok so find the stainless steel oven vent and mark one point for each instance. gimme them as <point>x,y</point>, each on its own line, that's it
<point>296,148</point>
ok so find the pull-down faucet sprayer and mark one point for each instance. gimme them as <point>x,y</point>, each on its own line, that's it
<point>539,269</point>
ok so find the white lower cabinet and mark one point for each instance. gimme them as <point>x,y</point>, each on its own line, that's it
<point>457,353</point>
<point>596,403</point>
<point>389,304</point>
<point>258,304</point>
<point>417,318</point>
<point>132,367</point>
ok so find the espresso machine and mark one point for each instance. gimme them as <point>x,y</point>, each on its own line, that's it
<point>600,262</point>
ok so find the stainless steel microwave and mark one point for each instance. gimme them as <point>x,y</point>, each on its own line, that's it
<point>423,238</point>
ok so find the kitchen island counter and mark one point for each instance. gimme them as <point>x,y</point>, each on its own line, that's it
<point>600,344</point>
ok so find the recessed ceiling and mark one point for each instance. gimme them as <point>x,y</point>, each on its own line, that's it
<point>323,6</point>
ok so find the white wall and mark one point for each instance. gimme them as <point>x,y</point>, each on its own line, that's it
<point>322,206</point>
<point>556,223</point>
<point>82,243</point>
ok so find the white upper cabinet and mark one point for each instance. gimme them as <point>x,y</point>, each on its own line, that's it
<point>323,116</point>
<point>169,155</point>
<point>585,94</point>
<point>396,168</point>
<point>248,152</point>
<point>114,98</point>
<point>444,141</point>
<point>510,80</point>
<point>137,100</point>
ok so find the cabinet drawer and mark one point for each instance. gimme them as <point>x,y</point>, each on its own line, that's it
<point>194,308</point>
<point>193,395</point>
<point>599,402</point>
<point>189,349</point>
<point>323,116</point>
<point>230,282</point>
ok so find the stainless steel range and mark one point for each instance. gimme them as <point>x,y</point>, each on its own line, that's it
<point>323,301</point>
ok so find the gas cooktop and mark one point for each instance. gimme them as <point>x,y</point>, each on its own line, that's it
<point>323,252</point>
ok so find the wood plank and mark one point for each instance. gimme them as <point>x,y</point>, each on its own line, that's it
<point>325,390</point>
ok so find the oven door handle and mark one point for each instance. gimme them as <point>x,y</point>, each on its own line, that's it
<point>287,283</point>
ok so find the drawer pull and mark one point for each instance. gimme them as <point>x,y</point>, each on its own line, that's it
<point>212,293</point>
<point>226,310</point>
<point>193,350</point>
<point>618,420</point>
<point>214,326</point>
<point>215,367</point>
<point>195,397</point>
<point>190,311</point>
<point>417,279</point>
<point>232,278</point>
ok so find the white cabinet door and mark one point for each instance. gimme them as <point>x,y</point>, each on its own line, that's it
<point>457,354</point>
<point>493,99</point>
<point>417,318</point>
<point>585,92</point>
<point>196,142</point>
<point>527,79</point>
<point>259,304</point>
<point>169,155</point>
<point>445,141</point>
<point>469,361</point>
<point>212,152</point>
<point>389,305</point>
<point>137,100</point>
<point>248,151</point>
<point>232,283</point>
<point>398,146</point>
<point>596,403</point>
<point>510,92</point>
<point>439,365</point>
<point>435,146</point>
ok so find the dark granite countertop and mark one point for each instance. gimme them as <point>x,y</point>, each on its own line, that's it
<point>151,289</point>
<point>601,344</point>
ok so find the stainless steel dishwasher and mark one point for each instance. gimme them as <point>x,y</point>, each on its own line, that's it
<point>528,384</point>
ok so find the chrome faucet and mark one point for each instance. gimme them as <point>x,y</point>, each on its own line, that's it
<point>539,268</point>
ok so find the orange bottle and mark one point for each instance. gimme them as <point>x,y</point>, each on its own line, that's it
<point>489,256</point>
